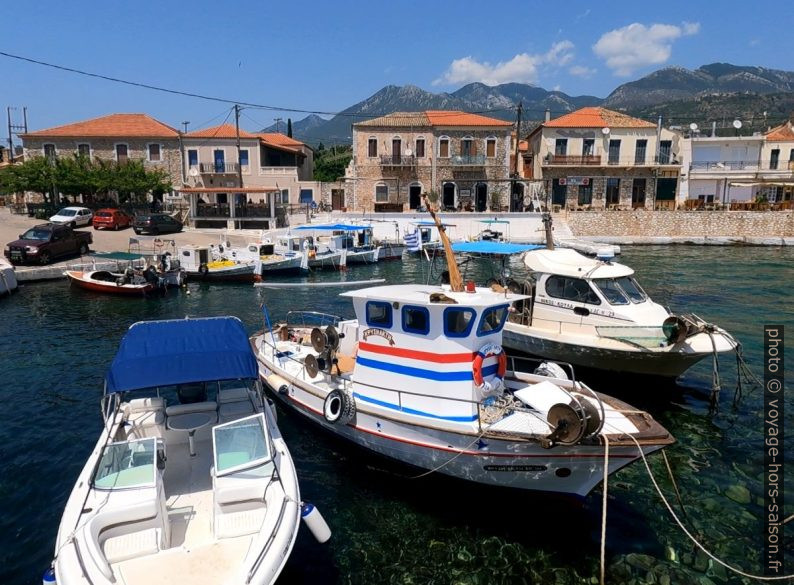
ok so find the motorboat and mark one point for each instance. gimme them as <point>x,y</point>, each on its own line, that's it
<point>129,283</point>
<point>592,312</point>
<point>214,263</point>
<point>420,376</point>
<point>163,265</point>
<point>343,240</point>
<point>190,480</point>
<point>316,256</point>
<point>8,278</point>
<point>494,230</point>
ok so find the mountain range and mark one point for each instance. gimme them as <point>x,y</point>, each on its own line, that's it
<point>716,90</point>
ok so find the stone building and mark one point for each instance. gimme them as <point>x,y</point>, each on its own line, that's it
<point>595,158</point>
<point>115,137</point>
<point>462,157</point>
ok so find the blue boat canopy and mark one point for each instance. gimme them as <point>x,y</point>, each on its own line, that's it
<point>342,227</point>
<point>491,247</point>
<point>164,353</point>
<point>427,222</point>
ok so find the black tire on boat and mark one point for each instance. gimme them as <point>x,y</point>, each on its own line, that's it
<point>339,407</point>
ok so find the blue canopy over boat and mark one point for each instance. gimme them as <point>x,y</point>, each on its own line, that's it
<point>430,223</point>
<point>180,351</point>
<point>342,227</point>
<point>491,247</point>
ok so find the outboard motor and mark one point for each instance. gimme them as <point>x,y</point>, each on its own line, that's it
<point>551,370</point>
<point>150,274</point>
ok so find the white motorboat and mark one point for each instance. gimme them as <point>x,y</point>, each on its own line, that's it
<point>420,376</point>
<point>190,480</point>
<point>8,278</point>
<point>341,240</point>
<point>316,256</point>
<point>592,312</point>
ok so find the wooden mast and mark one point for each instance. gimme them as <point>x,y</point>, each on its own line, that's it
<point>455,280</point>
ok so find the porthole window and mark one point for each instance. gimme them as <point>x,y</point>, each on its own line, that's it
<point>416,320</point>
<point>379,314</point>
<point>458,321</point>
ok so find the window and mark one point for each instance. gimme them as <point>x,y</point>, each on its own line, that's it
<point>586,194</point>
<point>611,291</point>
<point>490,148</point>
<point>467,147</point>
<point>665,151</point>
<point>379,314</point>
<point>240,444</point>
<point>381,193</point>
<point>639,152</point>
<point>571,289</point>
<point>614,152</point>
<point>396,147</point>
<point>49,151</point>
<point>443,148</point>
<point>492,320</point>
<point>420,148</point>
<point>154,153</point>
<point>458,321</point>
<point>588,147</point>
<point>285,196</point>
<point>192,158</point>
<point>774,158</point>
<point>244,158</point>
<point>84,149</point>
<point>791,155</point>
<point>613,191</point>
<point>416,320</point>
<point>632,289</point>
<point>561,146</point>
<point>638,193</point>
<point>121,153</point>
<point>306,196</point>
<point>372,147</point>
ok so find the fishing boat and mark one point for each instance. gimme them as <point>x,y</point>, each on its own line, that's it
<point>128,283</point>
<point>342,240</point>
<point>316,256</point>
<point>391,247</point>
<point>592,312</point>
<point>494,230</point>
<point>190,480</point>
<point>213,263</point>
<point>424,237</point>
<point>420,376</point>
<point>8,278</point>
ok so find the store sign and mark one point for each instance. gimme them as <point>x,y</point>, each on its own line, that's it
<point>575,181</point>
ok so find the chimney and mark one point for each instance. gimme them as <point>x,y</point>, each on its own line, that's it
<point>548,115</point>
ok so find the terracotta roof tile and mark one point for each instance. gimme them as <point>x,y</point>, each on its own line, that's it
<point>222,131</point>
<point>595,117</point>
<point>398,120</point>
<point>453,118</point>
<point>783,132</point>
<point>279,138</point>
<point>112,125</point>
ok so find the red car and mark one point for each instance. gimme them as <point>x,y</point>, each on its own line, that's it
<point>112,219</point>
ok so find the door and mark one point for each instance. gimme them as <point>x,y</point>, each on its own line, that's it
<point>337,199</point>
<point>517,197</point>
<point>396,150</point>
<point>415,196</point>
<point>558,193</point>
<point>448,199</point>
<point>192,158</point>
<point>220,161</point>
<point>665,192</point>
<point>481,197</point>
<point>638,193</point>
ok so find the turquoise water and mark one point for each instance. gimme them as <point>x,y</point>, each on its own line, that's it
<point>55,343</point>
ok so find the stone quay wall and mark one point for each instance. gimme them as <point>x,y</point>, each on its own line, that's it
<point>680,226</point>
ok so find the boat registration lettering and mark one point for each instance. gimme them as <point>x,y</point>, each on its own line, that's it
<point>514,467</point>
<point>378,333</point>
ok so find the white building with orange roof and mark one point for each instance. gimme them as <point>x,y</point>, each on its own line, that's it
<point>595,158</point>
<point>463,157</point>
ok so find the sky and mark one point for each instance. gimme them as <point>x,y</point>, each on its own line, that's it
<point>326,56</point>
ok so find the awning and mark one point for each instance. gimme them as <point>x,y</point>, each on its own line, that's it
<point>491,247</point>
<point>761,184</point>
<point>342,227</point>
<point>426,223</point>
<point>228,190</point>
<point>164,353</point>
<point>494,221</point>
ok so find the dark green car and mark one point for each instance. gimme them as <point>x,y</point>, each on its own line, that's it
<point>156,223</point>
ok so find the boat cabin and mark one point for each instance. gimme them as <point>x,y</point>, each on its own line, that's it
<point>192,257</point>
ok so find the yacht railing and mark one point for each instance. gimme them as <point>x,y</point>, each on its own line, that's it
<point>311,319</point>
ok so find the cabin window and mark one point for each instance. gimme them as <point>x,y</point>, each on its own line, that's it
<point>611,291</point>
<point>632,289</point>
<point>492,320</point>
<point>458,321</point>
<point>128,464</point>
<point>571,289</point>
<point>416,320</point>
<point>379,314</point>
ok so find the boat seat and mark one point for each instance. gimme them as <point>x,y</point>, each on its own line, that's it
<point>132,545</point>
<point>206,406</point>
<point>237,394</point>
<point>146,416</point>
<point>239,501</point>
<point>232,410</point>
<point>234,524</point>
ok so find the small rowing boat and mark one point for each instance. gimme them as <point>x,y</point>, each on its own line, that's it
<point>116,283</point>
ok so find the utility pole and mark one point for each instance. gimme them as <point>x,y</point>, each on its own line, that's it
<point>658,153</point>
<point>278,124</point>
<point>237,132</point>
<point>16,128</point>
<point>515,157</point>
<point>185,125</point>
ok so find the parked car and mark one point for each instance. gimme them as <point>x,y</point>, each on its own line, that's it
<point>156,223</point>
<point>111,219</point>
<point>73,216</point>
<point>44,243</point>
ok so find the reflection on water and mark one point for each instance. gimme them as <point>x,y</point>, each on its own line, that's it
<point>56,343</point>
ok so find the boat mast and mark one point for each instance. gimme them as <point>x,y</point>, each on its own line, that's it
<point>547,227</point>
<point>455,280</point>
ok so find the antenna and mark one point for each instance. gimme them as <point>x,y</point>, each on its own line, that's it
<point>605,131</point>
<point>737,124</point>
<point>193,172</point>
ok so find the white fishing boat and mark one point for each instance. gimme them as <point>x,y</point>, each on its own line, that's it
<point>8,278</point>
<point>592,312</point>
<point>342,239</point>
<point>214,263</point>
<point>316,256</point>
<point>420,376</point>
<point>190,480</point>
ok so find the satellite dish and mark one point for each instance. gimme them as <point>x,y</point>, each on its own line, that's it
<point>605,131</point>
<point>193,172</point>
<point>408,152</point>
<point>693,127</point>
<point>737,124</point>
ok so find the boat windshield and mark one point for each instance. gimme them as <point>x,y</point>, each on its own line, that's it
<point>611,291</point>
<point>129,464</point>
<point>240,444</point>
<point>632,288</point>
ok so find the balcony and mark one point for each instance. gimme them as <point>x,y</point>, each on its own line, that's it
<point>278,172</point>
<point>218,168</point>
<point>725,165</point>
<point>778,165</point>
<point>597,160</point>
<point>397,160</point>
<point>572,160</point>
<point>467,160</point>
<point>222,211</point>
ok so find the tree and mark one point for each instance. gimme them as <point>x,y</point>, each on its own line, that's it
<point>36,174</point>
<point>329,165</point>
<point>289,127</point>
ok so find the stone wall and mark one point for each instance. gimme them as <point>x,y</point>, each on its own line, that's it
<point>682,224</point>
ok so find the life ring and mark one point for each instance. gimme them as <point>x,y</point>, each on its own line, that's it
<point>486,351</point>
<point>339,407</point>
<point>203,270</point>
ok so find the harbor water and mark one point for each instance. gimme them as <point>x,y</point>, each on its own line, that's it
<point>389,526</point>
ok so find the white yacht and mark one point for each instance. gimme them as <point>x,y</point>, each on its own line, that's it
<point>592,312</point>
<point>190,480</point>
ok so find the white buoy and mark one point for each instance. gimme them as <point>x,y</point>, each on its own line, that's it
<point>278,383</point>
<point>315,522</point>
<point>49,577</point>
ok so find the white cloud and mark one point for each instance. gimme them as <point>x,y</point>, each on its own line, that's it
<point>582,71</point>
<point>521,68</point>
<point>754,42</point>
<point>635,46</point>
<point>584,14</point>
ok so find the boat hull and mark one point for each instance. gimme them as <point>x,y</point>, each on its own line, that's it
<point>8,278</point>
<point>288,264</point>
<point>239,273</point>
<point>391,252</point>
<point>506,463</point>
<point>83,280</point>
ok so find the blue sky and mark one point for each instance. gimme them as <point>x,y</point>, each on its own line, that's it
<point>327,56</point>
